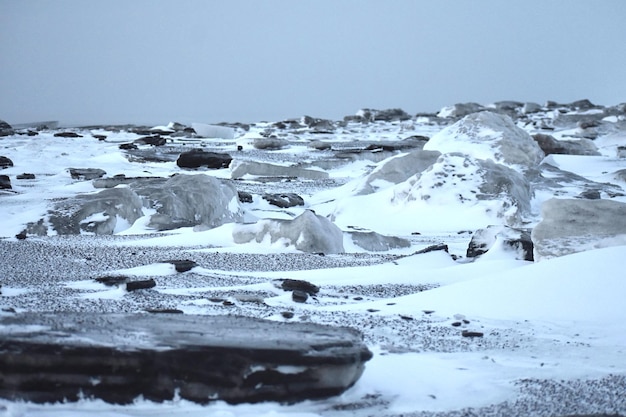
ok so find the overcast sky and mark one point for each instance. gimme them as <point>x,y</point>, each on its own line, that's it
<point>155,61</point>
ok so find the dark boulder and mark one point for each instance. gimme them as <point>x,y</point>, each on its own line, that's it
<point>5,162</point>
<point>299,285</point>
<point>154,140</point>
<point>299,296</point>
<point>67,135</point>
<point>182,265</point>
<point>244,197</point>
<point>140,285</point>
<point>159,356</point>
<point>284,200</point>
<point>197,158</point>
<point>86,174</point>
<point>590,194</point>
<point>112,280</point>
<point>5,182</point>
<point>128,146</point>
<point>6,129</point>
<point>550,145</point>
<point>25,176</point>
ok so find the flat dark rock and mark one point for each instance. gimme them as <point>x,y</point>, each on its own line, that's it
<point>53,357</point>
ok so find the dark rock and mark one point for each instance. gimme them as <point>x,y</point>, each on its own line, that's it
<point>299,296</point>
<point>154,140</point>
<point>86,173</point>
<point>25,176</point>
<point>165,311</point>
<point>456,324</point>
<point>5,182</point>
<point>100,137</point>
<point>244,197</point>
<point>197,158</point>
<point>6,129</point>
<point>514,238</point>
<point>284,200</point>
<point>140,285</point>
<point>127,146</point>
<point>287,314</point>
<point>67,135</point>
<point>21,236</point>
<point>299,285</point>
<point>432,248</point>
<point>198,358</point>
<point>111,280</point>
<point>467,333</point>
<point>390,115</point>
<point>183,265</point>
<point>590,195</point>
<point>550,145</point>
<point>5,162</point>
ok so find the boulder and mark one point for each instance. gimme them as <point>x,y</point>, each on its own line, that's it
<point>154,140</point>
<point>550,145</point>
<point>189,200</point>
<point>284,200</point>
<point>213,131</point>
<point>460,110</point>
<point>197,158</point>
<point>516,239</point>
<point>390,115</point>
<point>5,182</point>
<point>239,169</point>
<point>576,225</point>
<point>530,107</point>
<point>6,129</point>
<point>375,242</point>
<point>86,174</point>
<point>270,144</point>
<point>308,233</point>
<point>67,135</point>
<point>498,191</point>
<point>488,135</point>
<point>5,162</point>
<point>25,176</point>
<point>396,170</point>
<point>160,357</point>
<point>103,213</point>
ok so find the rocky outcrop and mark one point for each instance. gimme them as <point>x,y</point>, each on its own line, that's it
<point>488,135</point>
<point>308,233</point>
<point>197,158</point>
<point>576,225</point>
<point>119,357</point>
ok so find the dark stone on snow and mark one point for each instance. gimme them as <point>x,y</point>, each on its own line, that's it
<point>197,158</point>
<point>432,248</point>
<point>87,173</point>
<point>299,285</point>
<point>467,333</point>
<point>67,135</point>
<point>127,146</point>
<point>154,140</point>
<point>299,296</point>
<point>287,314</point>
<point>140,285</point>
<point>111,280</point>
<point>6,129</point>
<point>390,115</point>
<point>182,265</point>
<point>284,200</point>
<point>25,176</point>
<point>5,182</point>
<point>21,236</point>
<point>100,137</point>
<point>590,195</point>
<point>244,197</point>
<point>58,356</point>
<point>5,162</point>
<point>165,311</point>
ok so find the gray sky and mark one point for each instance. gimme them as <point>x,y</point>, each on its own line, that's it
<point>155,61</point>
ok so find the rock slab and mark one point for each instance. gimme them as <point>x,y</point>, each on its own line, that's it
<point>54,357</point>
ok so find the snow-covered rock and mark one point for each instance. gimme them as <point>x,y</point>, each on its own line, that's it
<point>515,239</point>
<point>550,145</point>
<point>190,200</point>
<point>212,131</point>
<point>308,232</point>
<point>397,169</point>
<point>576,225</point>
<point>488,135</point>
<point>463,181</point>
<point>460,110</point>
<point>240,168</point>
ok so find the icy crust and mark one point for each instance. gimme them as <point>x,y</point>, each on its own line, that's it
<point>487,135</point>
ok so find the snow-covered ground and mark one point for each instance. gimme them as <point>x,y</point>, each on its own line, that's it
<point>550,335</point>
